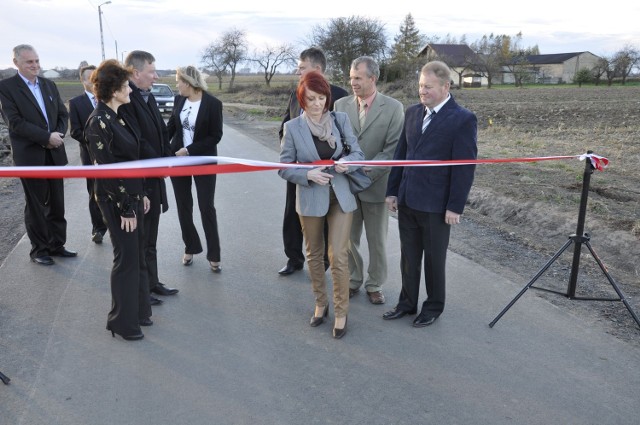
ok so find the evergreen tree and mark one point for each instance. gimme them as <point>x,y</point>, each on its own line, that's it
<point>404,53</point>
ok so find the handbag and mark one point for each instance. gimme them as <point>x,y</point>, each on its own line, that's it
<point>358,179</point>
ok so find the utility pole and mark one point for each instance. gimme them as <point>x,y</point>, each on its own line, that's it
<point>100,19</point>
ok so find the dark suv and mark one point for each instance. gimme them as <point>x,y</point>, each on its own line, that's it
<point>164,97</point>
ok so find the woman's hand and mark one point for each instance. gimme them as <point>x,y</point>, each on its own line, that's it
<point>128,224</point>
<point>317,175</point>
<point>182,152</point>
<point>146,204</point>
<point>341,168</point>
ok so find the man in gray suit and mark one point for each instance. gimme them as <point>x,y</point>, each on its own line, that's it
<point>377,120</point>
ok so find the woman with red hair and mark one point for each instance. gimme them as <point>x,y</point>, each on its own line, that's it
<point>322,192</point>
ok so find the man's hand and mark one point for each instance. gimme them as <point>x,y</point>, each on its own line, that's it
<point>55,140</point>
<point>392,203</point>
<point>451,218</point>
<point>146,204</point>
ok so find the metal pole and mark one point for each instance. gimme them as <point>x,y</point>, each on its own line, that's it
<point>100,19</point>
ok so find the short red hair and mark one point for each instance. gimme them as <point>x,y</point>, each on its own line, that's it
<point>316,82</point>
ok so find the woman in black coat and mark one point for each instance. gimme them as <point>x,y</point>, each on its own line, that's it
<point>195,128</point>
<point>122,201</point>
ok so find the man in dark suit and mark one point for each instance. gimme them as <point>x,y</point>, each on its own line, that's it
<point>145,116</point>
<point>429,200</point>
<point>311,59</point>
<point>37,119</point>
<point>80,107</point>
<point>377,120</point>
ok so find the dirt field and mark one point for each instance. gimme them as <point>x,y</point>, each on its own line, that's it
<point>518,214</point>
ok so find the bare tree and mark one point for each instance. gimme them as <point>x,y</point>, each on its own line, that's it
<point>271,58</point>
<point>489,56</point>
<point>214,60</point>
<point>344,39</point>
<point>234,47</point>
<point>600,69</point>
<point>625,60</point>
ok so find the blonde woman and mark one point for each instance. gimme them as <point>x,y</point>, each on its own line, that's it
<point>195,129</point>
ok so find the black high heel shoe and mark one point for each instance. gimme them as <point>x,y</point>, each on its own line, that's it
<point>317,321</point>
<point>135,337</point>
<point>339,333</point>
<point>215,266</point>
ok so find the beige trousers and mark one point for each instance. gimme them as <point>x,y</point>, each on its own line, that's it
<point>339,229</point>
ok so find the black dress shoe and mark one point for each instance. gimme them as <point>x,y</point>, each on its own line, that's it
<point>317,321</point>
<point>45,260</point>
<point>154,301</point>
<point>396,313</point>
<point>290,269</point>
<point>97,237</point>
<point>145,322</point>
<point>353,292</point>
<point>160,289</point>
<point>63,252</point>
<point>424,320</point>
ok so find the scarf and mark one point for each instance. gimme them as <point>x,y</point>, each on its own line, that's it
<point>322,130</point>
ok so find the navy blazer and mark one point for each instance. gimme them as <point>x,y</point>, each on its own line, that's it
<point>28,130</point>
<point>150,127</point>
<point>451,134</point>
<point>208,128</point>
<point>80,107</point>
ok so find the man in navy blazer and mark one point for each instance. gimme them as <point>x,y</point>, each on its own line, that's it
<point>429,200</point>
<point>143,112</point>
<point>37,119</point>
<point>80,107</point>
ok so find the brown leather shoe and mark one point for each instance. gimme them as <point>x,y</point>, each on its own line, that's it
<point>376,297</point>
<point>352,292</point>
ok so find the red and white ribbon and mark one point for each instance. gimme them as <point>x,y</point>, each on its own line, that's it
<point>199,165</point>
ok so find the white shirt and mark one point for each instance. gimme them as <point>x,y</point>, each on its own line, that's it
<point>188,117</point>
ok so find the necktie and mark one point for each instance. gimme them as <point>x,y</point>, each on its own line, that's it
<point>363,113</point>
<point>94,102</point>
<point>427,119</point>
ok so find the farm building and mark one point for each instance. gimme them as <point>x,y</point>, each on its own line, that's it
<point>546,69</point>
<point>51,73</point>
<point>555,68</point>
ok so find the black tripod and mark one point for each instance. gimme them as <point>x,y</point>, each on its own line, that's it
<point>578,239</point>
<point>4,378</point>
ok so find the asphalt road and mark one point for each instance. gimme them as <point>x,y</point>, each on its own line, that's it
<point>236,348</point>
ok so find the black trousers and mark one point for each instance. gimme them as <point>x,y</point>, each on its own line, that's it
<point>292,231</point>
<point>97,223</point>
<point>206,189</point>
<point>421,234</point>
<point>44,214</point>
<point>129,286</point>
<point>151,225</point>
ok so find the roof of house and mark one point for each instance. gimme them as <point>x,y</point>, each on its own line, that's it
<point>455,54</point>
<point>552,59</point>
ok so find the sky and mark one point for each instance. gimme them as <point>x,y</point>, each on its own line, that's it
<point>67,32</point>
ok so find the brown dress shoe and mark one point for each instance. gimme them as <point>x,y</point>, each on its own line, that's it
<point>376,297</point>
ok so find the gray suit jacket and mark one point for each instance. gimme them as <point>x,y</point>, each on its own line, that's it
<point>312,199</point>
<point>378,139</point>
